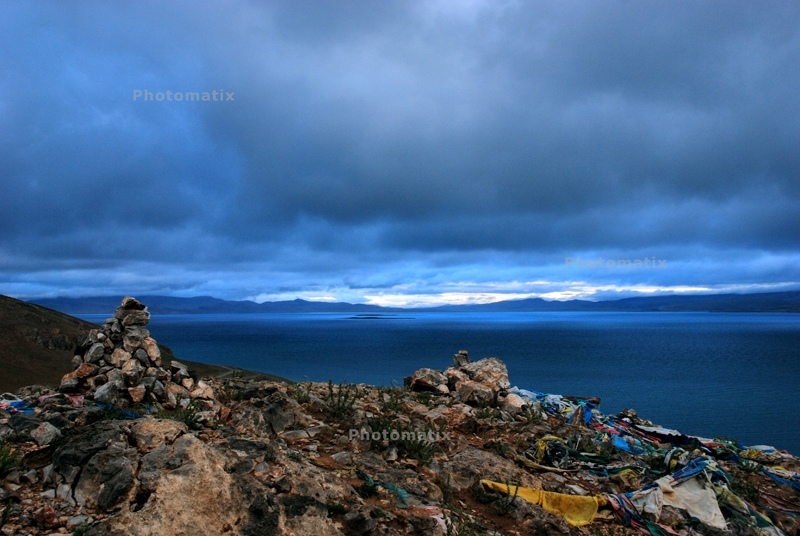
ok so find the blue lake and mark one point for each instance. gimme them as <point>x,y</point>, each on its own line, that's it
<point>708,374</point>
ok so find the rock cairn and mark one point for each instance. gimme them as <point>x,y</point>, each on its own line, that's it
<point>121,364</point>
<point>480,384</point>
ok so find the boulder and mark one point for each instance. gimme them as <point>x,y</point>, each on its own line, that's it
<point>426,379</point>
<point>476,394</point>
<point>513,404</point>
<point>491,372</point>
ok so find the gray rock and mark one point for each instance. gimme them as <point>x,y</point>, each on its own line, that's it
<point>108,478</point>
<point>77,449</point>
<point>276,418</point>
<point>20,422</point>
<point>70,385</point>
<point>107,394</point>
<point>360,522</point>
<point>142,356</point>
<point>470,465</point>
<point>45,433</point>
<point>133,337</point>
<point>133,372</point>
<point>95,353</point>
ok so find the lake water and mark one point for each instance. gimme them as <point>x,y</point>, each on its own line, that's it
<point>708,374</point>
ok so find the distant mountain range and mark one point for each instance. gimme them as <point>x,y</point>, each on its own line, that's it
<point>784,302</point>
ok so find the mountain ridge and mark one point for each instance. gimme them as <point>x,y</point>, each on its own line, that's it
<point>784,302</point>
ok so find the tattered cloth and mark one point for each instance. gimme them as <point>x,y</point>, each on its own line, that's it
<point>576,509</point>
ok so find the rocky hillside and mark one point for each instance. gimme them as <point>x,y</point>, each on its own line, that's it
<point>130,445</point>
<point>36,343</point>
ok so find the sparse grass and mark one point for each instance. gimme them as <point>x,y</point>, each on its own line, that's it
<point>367,490</point>
<point>394,403</point>
<point>378,512</point>
<point>336,509</point>
<point>458,522</point>
<point>6,514</point>
<point>500,448</point>
<point>229,393</point>
<point>300,393</point>
<point>532,414</point>
<point>484,413</point>
<point>750,466</point>
<point>270,454</point>
<point>187,415</point>
<point>381,424</point>
<point>743,487</point>
<point>9,459</point>
<point>508,502</point>
<point>728,442</point>
<point>341,401</point>
<point>425,398</point>
<point>81,529</point>
<point>413,446</point>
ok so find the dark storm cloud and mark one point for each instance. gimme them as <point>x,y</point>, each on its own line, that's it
<point>405,145</point>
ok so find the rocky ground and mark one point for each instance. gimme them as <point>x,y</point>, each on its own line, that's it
<point>125,446</point>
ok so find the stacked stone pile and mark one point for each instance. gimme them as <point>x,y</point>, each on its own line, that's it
<point>120,364</point>
<point>481,383</point>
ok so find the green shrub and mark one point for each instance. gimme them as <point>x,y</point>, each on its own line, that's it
<point>9,460</point>
<point>302,394</point>
<point>508,502</point>
<point>81,529</point>
<point>410,444</point>
<point>394,403</point>
<point>498,447</point>
<point>532,414</point>
<point>187,415</point>
<point>341,402</point>
<point>336,509</point>
<point>484,413</point>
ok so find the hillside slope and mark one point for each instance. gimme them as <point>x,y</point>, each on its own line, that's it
<point>36,343</point>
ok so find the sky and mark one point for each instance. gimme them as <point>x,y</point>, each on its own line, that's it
<point>399,152</point>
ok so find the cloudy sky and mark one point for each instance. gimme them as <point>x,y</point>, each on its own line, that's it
<point>399,152</point>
